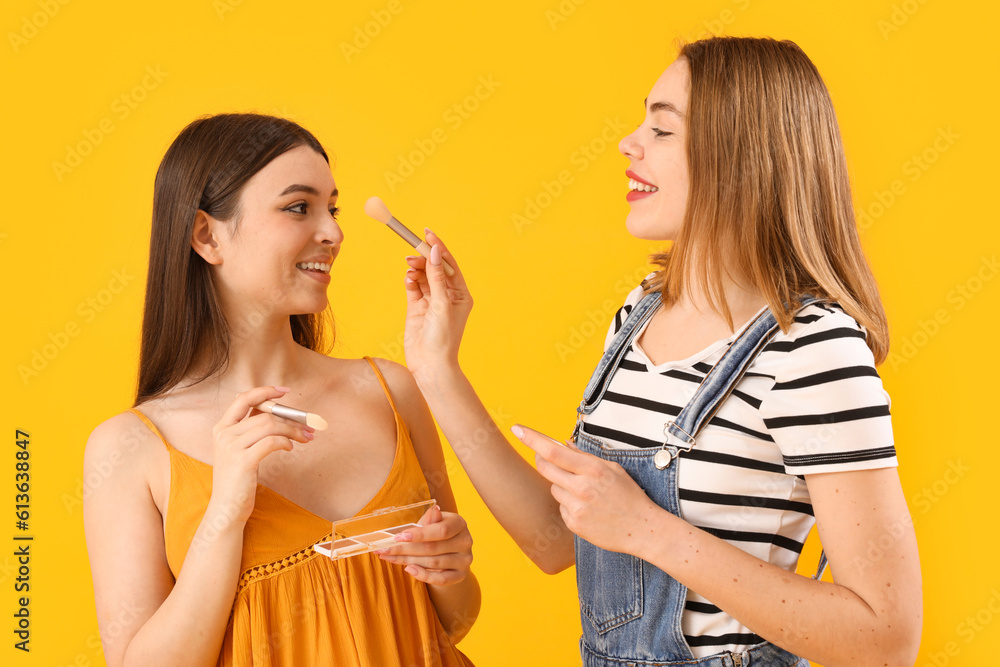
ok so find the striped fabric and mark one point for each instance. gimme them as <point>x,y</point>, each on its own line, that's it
<point>812,402</point>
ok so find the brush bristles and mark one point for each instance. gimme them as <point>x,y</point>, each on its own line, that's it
<point>316,422</point>
<point>376,208</point>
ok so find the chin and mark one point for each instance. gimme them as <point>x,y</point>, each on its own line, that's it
<point>641,227</point>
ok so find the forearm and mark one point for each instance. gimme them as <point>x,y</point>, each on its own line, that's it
<point>826,622</point>
<point>188,628</point>
<point>457,606</point>
<point>512,489</point>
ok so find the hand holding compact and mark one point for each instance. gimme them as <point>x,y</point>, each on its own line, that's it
<point>438,552</point>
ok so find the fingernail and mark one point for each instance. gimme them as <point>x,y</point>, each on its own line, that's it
<point>517,431</point>
<point>436,255</point>
<point>404,537</point>
<point>381,551</point>
<point>428,231</point>
<point>410,569</point>
<point>309,436</point>
<point>437,507</point>
<point>284,389</point>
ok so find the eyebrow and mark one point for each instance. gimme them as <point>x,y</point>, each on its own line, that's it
<point>663,106</point>
<point>308,189</point>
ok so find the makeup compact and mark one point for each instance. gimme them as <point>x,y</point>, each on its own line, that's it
<point>363,534</point>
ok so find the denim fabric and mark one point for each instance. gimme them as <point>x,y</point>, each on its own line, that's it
<point>631,610</point>
<point>616,350</point>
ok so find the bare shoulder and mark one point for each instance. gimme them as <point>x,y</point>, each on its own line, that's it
<point>402,386</point>
<point>395,373</point>
<point>121,446</point>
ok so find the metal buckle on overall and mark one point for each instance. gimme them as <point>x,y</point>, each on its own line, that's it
<point>664,456</point>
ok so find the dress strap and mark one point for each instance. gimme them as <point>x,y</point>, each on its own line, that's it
<point>382,382</point>
<point>151,426</point>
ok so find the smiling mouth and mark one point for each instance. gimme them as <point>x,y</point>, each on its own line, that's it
<point>641,187</point>
<point>316,267</point>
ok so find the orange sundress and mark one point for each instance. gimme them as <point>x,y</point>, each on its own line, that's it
<point>294,606</point>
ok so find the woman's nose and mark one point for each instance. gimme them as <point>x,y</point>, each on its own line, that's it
<point>629,146</point>
<point>329,232</point>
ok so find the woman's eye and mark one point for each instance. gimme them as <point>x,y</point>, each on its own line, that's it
<point>334,211</point>
<point>297,208</point>
<point>660,133</point>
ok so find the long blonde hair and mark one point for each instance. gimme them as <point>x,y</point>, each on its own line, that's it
<point>769,203</point>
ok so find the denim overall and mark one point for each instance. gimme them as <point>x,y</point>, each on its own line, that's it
<point>631,610</point>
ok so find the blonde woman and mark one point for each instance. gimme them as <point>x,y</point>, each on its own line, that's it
<point>737,401</point>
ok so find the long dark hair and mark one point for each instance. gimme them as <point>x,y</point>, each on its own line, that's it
<point>205,169</point>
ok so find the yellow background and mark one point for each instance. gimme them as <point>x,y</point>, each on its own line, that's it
<point>118,80</point>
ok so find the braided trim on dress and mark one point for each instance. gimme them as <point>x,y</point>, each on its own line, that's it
<point>266,570</point>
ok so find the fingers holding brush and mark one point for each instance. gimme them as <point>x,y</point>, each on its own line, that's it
<point>438,307</point>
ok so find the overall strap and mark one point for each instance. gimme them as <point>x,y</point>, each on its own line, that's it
<point>639,315</point>
<point>723,378</point>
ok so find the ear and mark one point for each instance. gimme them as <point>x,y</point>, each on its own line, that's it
<point>204,237</point>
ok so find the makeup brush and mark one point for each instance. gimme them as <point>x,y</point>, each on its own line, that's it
<point>376,208</point>
<point>300,416</point>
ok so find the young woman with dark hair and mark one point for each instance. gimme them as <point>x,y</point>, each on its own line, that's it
<point>201,530</point>
<point>736,404</point>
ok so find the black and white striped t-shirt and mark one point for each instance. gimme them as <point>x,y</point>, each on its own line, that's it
<point>811,402</point>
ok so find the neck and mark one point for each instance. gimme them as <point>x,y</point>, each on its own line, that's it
<point>260,354</point>
<point>743,302</point>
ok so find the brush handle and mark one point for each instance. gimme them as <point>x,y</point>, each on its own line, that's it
<point>421,246</point>
<point>278,410</point>
<point>408,236</point>
<point>425,251</point>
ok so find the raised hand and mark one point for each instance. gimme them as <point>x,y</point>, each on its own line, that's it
<point>242,438</point>
<point>437,308</point>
